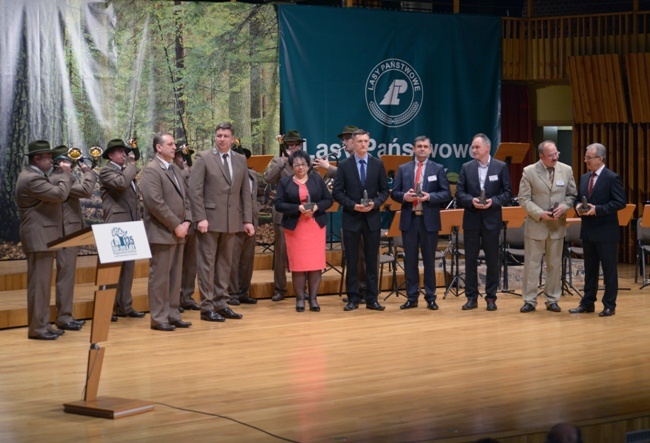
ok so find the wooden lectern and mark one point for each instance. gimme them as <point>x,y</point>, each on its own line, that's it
<point>258,163</point>
<point>106,279</point>
<point>512,153</point>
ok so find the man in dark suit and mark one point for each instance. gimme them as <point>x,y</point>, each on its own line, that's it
<point>243,257</point>
<point>599,230</point>
<point>39,200</point>
<point>221,207</point>
<point>482,220</point>
<point>167,218</point>
<point>120,204</point>
<point>420,185</point>
<point>66,258</point>
<point>360,187</point>
<point>183,159</point>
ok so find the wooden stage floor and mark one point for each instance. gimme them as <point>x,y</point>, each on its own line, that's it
<point>334,376</point>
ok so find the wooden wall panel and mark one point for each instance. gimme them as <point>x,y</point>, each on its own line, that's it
<point>597,85</point>
<point>638,78</point>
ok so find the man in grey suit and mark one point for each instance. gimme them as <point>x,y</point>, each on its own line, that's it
<point>39,200</point>
<point>482,219</point>
<point>66,258</point>
<point>221,207</point>
<point>546,191</point>
<point>120,204</point>
<point>167,218</point>
<point>243,257</point>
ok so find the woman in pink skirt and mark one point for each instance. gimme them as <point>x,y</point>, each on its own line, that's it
<point>303,199</point>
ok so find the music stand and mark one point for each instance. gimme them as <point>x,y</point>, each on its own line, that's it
<point>624,216</point>
<point>451,221</point>
<point>258,163</point>
<point>106,278</point>
<point>514,217</point>
<point>512,153</point>
<point>567,286</point>
<point>330,214</point>
<point>394,231</point>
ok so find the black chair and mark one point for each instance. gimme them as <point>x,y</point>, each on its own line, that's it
<point>642,250</point>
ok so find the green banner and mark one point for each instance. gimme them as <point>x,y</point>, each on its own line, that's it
<point>396,74</point>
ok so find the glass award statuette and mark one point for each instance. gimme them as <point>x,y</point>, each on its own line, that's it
<point>365,201</point>
<point>481,199</point>
<point>308,205</point>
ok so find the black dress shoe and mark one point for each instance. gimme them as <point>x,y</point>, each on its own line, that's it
<point>247,300</point>
<point>191,306</point>
<point>211,316</point>
<point>180,323</point>
<point>351,306</point>
<point>581,309</point>
<point>79,322</point>
<point>233,301</point>
<point>527,307</point>
<point>409,304</point>
<point>491,305</point>
<point>375,306</point>
<point>553,307</point>
<point>113,318</point>
<point>132,314</point>
<point>44,336</point>
<point>278,296</point>
<point>163,327</point>
<point>432,305</point>
<point>471,304</point>
<point>70,326</point>
<point>229,313</point>
<point>300,308</point>
<point>58,332</point>
<point>181,309</point>
<point>607,312</point>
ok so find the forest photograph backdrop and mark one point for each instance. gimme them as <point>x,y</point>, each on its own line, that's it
<point>81,72</point>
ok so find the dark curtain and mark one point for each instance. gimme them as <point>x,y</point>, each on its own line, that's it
<point>516,125</point>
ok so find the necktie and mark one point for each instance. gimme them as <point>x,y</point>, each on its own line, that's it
<point>551,175</point>
<point>591,184</point>
<point>362,173</point>
<point>175,178</point>
<point>225,165</point>
<point>418,173</point>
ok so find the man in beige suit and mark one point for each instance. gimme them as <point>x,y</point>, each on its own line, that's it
<point>39,200</point>
<point>66,258</point>
<point>243,257</point>
<point>221,207</point>
<point>546,191</point>
<point>120,204</point>
<point>167,218</point>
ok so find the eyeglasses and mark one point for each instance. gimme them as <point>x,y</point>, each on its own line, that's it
<point>553,155</point>
<point>300,165</point>
<point>590,158</point>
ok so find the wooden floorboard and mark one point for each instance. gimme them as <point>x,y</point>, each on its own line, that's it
<point>334,376</point>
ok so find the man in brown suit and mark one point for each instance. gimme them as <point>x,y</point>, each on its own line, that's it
<point>66,258</point>
<point>166,219</point>
<point>243,257</point>
<point>278,169</point>
<point>120,204</point>
<point>183,159</point>
<point>221,207</point>
<point>39,200</point>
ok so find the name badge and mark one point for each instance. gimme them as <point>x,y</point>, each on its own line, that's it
<point>493,178</point>
<point>432,178</point>
<point>559,183</point>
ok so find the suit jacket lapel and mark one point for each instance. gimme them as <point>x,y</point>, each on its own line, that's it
<point>219,161</point>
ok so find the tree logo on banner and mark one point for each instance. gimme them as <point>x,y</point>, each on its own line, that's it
<point>394,92</point>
